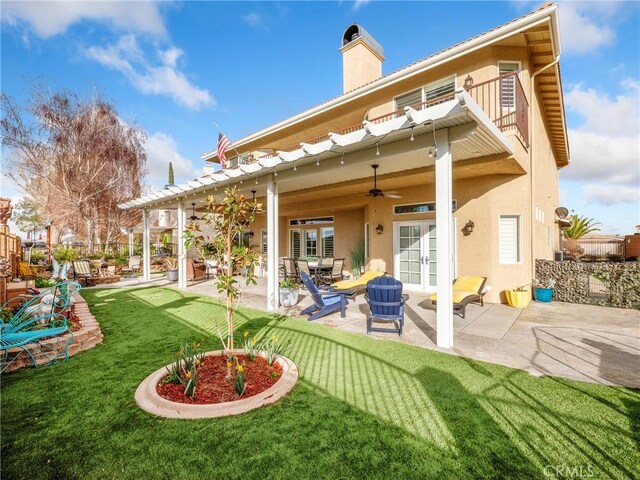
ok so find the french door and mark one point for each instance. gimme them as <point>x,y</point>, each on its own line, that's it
<point>414,255</point>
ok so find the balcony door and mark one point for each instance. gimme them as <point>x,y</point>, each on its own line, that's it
<point>415,255</point>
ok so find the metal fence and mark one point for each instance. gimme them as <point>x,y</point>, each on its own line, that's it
<point>596,249</point>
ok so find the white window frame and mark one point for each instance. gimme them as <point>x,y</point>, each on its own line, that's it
<point>291,252</point>
<point>321,239</point>
<point>303,250</point>
<point>509,107</point>
<point>519,233</point>
<point>429,86</point>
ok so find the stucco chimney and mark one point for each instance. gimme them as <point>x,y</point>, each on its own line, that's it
<point>362,58</point>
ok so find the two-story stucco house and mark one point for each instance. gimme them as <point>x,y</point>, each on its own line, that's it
<point>467,142</point>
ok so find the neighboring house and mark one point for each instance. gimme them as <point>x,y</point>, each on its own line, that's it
<point>471,137</point>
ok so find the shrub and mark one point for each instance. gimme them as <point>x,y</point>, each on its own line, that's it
<point>289,283</point>
<point>65,254</point>
<point>44,282</point>
<point>36,256</point>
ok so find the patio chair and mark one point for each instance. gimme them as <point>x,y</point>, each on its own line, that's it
<point>386,304</point>
<point>466,290</point>
<point>290,270</point>
<point>26,271</point>
<point>327,278</point>
<point>303,266</point>
<point>212,267</point>
<point>195,271</point>
<point>134,265</point>
<point>40,317</point>
<point>82,271</point>
<point>322,304</point>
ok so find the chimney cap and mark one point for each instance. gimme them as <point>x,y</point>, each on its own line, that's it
<point>355,31</point>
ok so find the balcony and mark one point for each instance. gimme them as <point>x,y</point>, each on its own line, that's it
<point>501,98</point>
<point>504,102</point>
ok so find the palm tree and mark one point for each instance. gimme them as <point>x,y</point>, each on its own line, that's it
<point>580,226</point>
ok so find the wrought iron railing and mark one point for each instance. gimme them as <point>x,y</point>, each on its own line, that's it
<point>501,98</point>
<point>505,103</point>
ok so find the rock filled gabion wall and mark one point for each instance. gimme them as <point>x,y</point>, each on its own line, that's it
<point>617,283</point>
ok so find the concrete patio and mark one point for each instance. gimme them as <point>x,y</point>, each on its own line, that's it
<point>581,342</point>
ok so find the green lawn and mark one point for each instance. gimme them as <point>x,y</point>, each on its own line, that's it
<point>363,408</point>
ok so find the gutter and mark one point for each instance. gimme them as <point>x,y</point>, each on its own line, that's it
<point>531,163</point>
<point>532,20</point>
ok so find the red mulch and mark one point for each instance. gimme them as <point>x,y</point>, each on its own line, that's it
<point>213,387</point>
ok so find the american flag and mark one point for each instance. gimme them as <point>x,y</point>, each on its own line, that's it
<point>223,145</point>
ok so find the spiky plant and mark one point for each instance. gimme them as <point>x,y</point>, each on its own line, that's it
<point>580,226</point>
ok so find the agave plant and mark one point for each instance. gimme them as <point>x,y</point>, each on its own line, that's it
<point>580,226</point>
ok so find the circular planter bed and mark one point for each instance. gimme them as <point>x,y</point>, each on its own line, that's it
<point>213,387</point>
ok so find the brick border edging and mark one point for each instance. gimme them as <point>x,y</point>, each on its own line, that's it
<point>148,399</point>
<point>87,337</point>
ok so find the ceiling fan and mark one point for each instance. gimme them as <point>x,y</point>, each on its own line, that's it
<point>375,191</point>
<point>193,212</point>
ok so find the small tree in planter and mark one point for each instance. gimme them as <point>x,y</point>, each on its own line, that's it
<point>172,268</point>
<point>518,297</point>
<point>543,289</point>
<point>229,218</point>
<point>289,290</point>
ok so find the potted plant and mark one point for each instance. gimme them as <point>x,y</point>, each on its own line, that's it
<point>357,259</point>
<point>543,289</point>
<point>289,292</point>
<point>172,268</point>
<point>519,297</point>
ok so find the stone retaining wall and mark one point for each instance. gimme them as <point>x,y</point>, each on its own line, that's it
<point>88,336</point>
<point>610,284</point>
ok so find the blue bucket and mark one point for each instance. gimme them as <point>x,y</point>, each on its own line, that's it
<point>543,294</point>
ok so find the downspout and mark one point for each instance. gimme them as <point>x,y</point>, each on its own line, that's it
<point>531,144</point>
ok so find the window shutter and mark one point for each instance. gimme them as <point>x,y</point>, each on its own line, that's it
<point>408,99</point>
<point>509,241</point>
<point>439,88</point>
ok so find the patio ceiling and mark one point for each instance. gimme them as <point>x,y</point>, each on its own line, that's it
<point>349,156</point>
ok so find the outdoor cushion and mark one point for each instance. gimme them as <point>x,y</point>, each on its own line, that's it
<point>359,282</point>
<point>463,287</point>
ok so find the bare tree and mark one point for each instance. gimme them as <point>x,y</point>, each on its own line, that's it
<point>76,159</point>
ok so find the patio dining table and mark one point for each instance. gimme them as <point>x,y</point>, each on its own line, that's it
<point>317,269</point>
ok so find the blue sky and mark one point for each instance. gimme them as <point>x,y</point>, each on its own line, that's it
<point>178,69</point>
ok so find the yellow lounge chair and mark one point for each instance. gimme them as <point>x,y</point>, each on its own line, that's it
<point>465,291</point>
<point>352,287</point>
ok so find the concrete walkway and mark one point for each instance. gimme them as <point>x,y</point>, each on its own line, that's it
<point>582,342</point>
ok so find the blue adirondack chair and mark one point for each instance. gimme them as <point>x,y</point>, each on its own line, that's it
<point>322,304</point>
<point>41,316</point>
<point>386,304</point>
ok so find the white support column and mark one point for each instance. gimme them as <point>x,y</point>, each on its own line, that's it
<point>273,300</point>
<point>130,241</point>
<point>444,240</point>
<point>182,253</point>
<point>146,251</point>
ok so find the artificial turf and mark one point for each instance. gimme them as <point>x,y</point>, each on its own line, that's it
<point>362,408</point>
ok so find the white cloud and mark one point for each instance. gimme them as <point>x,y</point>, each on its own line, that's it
<point>161,149</point>
<point>49,18</point>
<point>619,116</point>
<point>128,58</point>
<point>584,25</point>
<point>359,3</point>
<point>605,148</point>
<point>171,55</point>
<point>254,19</point>
<point>611,195</point>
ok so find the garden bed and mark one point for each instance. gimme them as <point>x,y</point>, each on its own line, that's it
<point>153,398</point>
<point>214,387</point>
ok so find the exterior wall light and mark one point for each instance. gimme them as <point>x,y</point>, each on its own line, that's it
<point>468,228</point>
<point>379,229</point>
